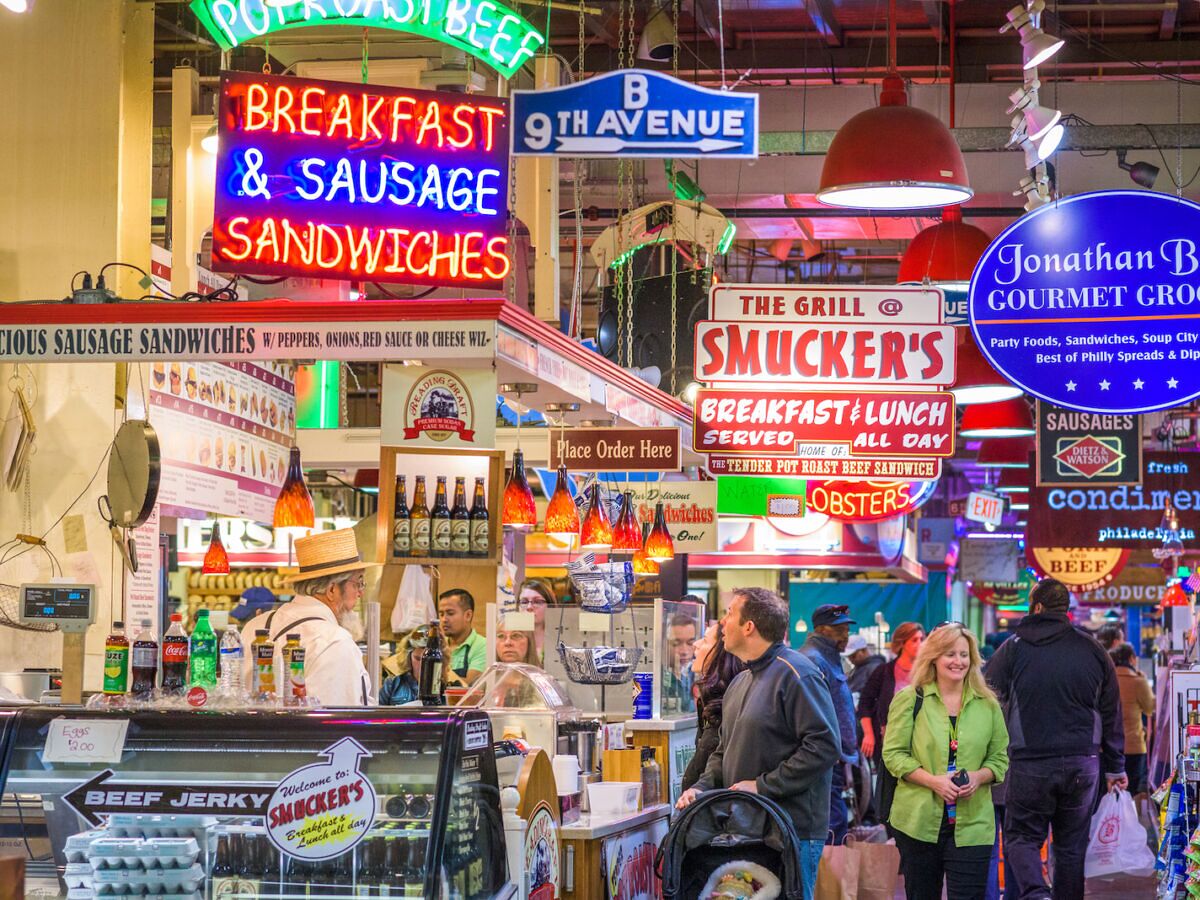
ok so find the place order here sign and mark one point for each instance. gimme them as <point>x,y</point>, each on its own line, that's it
<point>856,366</point>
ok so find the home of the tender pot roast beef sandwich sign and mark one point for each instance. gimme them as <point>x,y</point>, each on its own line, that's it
<point>1092,301</point>
<point>489,31</point>
<point>360,182</point>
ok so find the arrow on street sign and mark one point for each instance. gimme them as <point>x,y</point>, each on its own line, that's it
<point>585,146</point>
<point>100,796</point>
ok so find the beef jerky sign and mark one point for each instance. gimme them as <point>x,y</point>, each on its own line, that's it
<point>1076,448</point>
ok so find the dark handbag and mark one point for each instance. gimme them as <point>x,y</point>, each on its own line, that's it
<point>887,781</point>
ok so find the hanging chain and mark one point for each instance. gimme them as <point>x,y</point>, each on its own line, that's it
<point>674,252</point>
<point>619,285</point>
<point>267,55</point>
<point>631,51</point>
<point>364,59</point>
<point>512,228</point>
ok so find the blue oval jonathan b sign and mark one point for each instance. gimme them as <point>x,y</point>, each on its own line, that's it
<point>1093,302</point>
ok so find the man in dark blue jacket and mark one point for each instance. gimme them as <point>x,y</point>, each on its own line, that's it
<point>1063,709</point>
<point>779,733</point>
<point>831,632</point>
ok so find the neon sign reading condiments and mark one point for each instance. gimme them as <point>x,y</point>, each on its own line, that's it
<point>360,182</point>
<point>489,31</point>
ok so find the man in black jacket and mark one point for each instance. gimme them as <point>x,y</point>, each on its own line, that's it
<point>779,732</point>
<point>1063,710</point>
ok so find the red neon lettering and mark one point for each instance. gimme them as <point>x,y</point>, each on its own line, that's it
<point>368,117</point>
<point>450,256</point>
<point>432,121</point>
<point>412,245</point>
<point>308,109</point>
<point>342,116</point>
<point>304,243</point>
<point>466,126</point>
<point>256,108</point>
<point>322,230</point>
<point>489,128</point>
<point>283,109</point>
<point>267,238</point>
<point>394,267</point>
<point>398,116</point>
<point>234,224</point>
<point>499,254</point>
<point>468,255</point>
<point>363,247</point>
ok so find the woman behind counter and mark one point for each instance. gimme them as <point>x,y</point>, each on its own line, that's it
<point>946,753</point>
<point>714,668</point>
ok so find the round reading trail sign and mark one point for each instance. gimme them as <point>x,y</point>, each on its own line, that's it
<point>1093,302</point>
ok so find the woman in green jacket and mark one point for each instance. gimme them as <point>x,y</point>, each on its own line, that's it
<point>947,744</point>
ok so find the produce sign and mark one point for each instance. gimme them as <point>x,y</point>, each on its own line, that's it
<point>806,303</point>
<point>1118,515</point>
<point>322,810</point>
<point>1091,302</point>
<point>1087,448</point>
<point>821,353</point>
<point>842,467</point>
<point>635,112</point>
<point>1079,568</point>
<point>489,31</point>
<point>824,425</point>
<point>361,182</point>
<point>867,501</point>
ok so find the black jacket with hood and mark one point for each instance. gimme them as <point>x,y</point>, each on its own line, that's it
<point>1059,692</point>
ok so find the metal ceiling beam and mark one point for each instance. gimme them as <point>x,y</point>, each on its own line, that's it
<point>995,140</point>
<point>937,21</point>
<point>1166,27</point>
<point>824,18</point>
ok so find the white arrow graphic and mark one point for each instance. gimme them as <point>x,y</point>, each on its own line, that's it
<point>345,752</point>
<point>584,145</point>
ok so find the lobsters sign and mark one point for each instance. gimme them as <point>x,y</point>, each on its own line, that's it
<point>1093,302</point>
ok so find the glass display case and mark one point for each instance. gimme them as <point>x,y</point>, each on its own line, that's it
<point>677,625</point>
<point>523,702</point>
<point>321,803</point>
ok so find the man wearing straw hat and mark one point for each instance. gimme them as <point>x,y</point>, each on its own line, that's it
<point>329,585</point>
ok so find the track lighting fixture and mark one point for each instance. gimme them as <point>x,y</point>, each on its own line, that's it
<point>658,37</point>
<point>1144,174</point>
<point>1038,119</point>
<point>1036,45</point>
<point>1035,190</point>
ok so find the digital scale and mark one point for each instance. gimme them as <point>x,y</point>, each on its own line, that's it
<point>72,607</point>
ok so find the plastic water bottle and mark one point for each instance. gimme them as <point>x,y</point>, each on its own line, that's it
<point>231,662</point>
<point>203,657</point>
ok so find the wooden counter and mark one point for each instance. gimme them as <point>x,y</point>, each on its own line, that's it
<point>585,861</point>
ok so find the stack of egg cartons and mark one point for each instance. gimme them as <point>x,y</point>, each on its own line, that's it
<point>148,856</point>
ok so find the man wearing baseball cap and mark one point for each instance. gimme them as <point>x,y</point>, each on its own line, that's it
<point>860,655</point>
<point>830,634</point>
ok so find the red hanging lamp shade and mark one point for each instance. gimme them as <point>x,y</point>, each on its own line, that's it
<point>659,546</point>
<point>975,380</point>
<point>627,534</point>
<point>1005,453</point>
<point>1014,481</point>
<point>518,510</point>
<point>562,515</point>
<point>894,156</point>
<point>944,254</point>
<point>643,564</point>
<point>1174,596</point>
<point>216,560</point>
<point>294,505</point>
<point>1009,418</point>
<point>597,531</point>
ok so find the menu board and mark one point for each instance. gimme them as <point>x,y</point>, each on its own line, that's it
<point>225,430</point>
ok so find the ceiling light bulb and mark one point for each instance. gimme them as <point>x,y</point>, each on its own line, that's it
<point>210,142</point>
<point>1049,142</point>
<point>17,6</point>
<point>1036,45</point>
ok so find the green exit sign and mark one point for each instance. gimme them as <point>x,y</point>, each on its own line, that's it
<point>741,495</point>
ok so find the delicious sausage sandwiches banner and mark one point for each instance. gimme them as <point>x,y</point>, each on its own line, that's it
<point>360,182</point>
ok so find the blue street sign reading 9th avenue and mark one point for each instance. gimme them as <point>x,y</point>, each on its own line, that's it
<point>637,113</point>
<point>1093,302</point>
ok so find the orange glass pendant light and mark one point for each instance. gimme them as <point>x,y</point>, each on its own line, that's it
<point>216,560</point>
<point>642,564</point>
<point>562,515</point>
<point>627,535</point>
<point>659,546</point>
<point>519,512</point>
<point>294,505</point>
<point>597,533</point>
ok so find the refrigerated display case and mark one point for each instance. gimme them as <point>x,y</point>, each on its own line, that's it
<point>287,803</point>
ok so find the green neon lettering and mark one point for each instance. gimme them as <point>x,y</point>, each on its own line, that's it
<point>487,29</point>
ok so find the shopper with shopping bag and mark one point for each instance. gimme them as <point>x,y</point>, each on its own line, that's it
<point>946,743</point>
<point>1117,840</point>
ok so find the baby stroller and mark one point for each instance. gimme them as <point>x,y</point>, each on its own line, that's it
<point>719,828</point>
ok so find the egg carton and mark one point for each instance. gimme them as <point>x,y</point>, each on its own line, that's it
<point>149,853</point>
<point>154,826</point>
<point>137,882</point>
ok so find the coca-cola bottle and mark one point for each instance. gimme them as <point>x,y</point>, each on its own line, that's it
<point>175,657</point>
<point>145,662</point>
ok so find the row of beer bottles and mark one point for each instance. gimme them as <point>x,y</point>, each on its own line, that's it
<point>443,531</point>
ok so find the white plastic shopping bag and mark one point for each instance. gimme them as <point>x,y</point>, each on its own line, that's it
<point>1117,842</point>
<point>414,601</point>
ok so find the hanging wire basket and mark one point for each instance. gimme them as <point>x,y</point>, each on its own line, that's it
<point>599,665</point>
<point>603,588</point>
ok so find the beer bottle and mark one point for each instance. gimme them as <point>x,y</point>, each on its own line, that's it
<point>116,661</point>
<point>460,521</point>
<point>440,527</point>
<point>420,520</point>
<point>393,868</point>
<point>367,882</point>
<point>431,689</point>
<point>402,527</point>
<point>224,876</point>
<point>479,522</point>
<point>414,870</point>
<point>253,868</point>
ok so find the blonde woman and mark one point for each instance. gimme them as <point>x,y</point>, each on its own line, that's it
<point>947,744</point>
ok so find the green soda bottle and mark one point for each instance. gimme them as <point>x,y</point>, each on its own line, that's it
<point>203,657</point>
<point>116,661</point>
